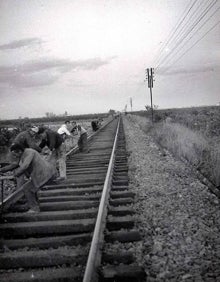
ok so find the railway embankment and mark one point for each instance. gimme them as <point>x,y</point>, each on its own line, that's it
<point>178,216</point>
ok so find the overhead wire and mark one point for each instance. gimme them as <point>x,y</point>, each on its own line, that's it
<point>172,33</point>
<point>188,22</point>
<point>141,83</point>
<point>188,31</point>
<point>187,27</point>
<point>193,45</point>
<point>198,29</point>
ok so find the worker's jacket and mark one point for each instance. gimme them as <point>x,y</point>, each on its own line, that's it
<point>52,140</point>
<point>33,165</point>
<point>26,141</point>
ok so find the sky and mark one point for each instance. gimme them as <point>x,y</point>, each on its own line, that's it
<point>90,56</point>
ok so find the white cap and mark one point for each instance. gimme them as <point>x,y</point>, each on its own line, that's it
<point>35,129</point>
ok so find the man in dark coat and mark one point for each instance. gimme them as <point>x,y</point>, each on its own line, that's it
<point>36,169</point>
<point>94,125</point>
<point>54,141</point>
<point>50,138</point>
<point>83,139</point>
<point>26,139</point>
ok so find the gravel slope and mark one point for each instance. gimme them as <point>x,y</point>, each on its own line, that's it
<point>177,215</point>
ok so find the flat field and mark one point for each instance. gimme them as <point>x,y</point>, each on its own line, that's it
<point>203,119</point>
<point>191,133</point>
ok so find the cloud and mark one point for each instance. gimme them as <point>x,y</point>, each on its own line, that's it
<point>62,65</point>
<point>21,43</point>
<point>79,84</point>
<point>192,70</point>
<point>30,80</point>
<point>45,72</point>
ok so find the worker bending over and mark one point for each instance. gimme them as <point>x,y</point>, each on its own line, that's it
<point>36,169</point>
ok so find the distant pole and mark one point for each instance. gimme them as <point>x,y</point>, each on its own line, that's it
<point>131,103</point>
<point>151,104</point>
<point>150,79</point>
<point>125,109</point>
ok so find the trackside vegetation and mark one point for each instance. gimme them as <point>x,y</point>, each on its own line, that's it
<point>192,134</point>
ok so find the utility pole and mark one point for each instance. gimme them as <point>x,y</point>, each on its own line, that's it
<point>150,79</point>
<point>126,109</point>
<point>131,103</point>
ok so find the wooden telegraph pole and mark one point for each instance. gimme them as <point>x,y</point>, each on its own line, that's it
<point>150,79</point>
<point>131,103</point>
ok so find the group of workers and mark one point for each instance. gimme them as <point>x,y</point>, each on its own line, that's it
<point>35,154</point>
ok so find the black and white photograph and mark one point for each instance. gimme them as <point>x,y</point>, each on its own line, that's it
<point>109,140</point>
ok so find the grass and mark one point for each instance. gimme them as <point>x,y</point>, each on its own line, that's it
<point>203,119</point>
<point>199,149</point>
<point>215,157</point>
<point>182,141</point>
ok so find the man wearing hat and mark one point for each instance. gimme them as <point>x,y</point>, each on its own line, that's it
<point>64,132</point>
<point>26,139</point>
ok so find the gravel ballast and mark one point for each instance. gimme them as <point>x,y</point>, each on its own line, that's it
<point>177,215</point>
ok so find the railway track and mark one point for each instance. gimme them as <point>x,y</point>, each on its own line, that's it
<point>75,236</point>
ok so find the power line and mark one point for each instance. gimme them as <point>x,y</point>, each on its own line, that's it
<point>172,33</point>
<point>188,23</point>
<point>187,33</point>
<point>192,45</point>
<point>197,30</point>
<point>201,16</point>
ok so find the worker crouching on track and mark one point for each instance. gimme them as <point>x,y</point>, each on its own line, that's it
<point>37,170</point>
<point>94,125</point>
<point>27,139</point>
<point>55,142</point>
<point>83,139</point>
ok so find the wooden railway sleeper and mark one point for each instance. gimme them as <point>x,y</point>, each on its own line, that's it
<point>66,223</point>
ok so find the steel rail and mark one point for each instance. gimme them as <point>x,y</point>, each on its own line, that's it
<point>90,137</point>
<point>5,203</point>
<point>94,258</point>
